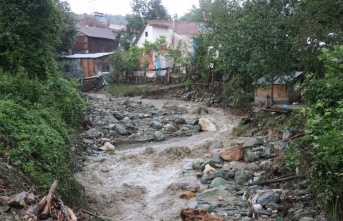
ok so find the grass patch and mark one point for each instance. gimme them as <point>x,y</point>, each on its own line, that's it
<point>129,90</point>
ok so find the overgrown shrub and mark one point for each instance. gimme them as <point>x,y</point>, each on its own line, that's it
<point>36,118</point>
<point>322,146</point>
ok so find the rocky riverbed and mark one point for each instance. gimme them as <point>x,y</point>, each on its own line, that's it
<point>142,155</point>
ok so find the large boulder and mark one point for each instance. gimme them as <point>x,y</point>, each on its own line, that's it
<point>206,125</point>
<point>233,153</point>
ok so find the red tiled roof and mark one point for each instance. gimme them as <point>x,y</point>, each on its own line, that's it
<point>181,27</point>
<point>97,32</point>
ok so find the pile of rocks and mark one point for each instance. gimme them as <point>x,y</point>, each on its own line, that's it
<point>113,121</point>
<point>227,184</point>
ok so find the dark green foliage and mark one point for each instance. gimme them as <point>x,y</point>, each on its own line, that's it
<point>39,108</point>
<point>36,118</point>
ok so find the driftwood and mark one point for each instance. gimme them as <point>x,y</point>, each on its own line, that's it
<point>71,214</point>
<point>18,200</point>
<point>33,211</point>
<point>65,211</point>
<point>93,214</point>
<point>294,137</point>
<point>50,196</point>
<point>293,177</point>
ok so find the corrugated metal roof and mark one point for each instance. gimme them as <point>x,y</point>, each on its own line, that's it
<point>96,55</point>
<point>281,80</point>
<point>97,32</point>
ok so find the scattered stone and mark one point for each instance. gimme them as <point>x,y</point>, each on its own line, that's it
<point>120,129</point>
<point>307,219</point>
<point>233,153</point>
<point>243,176</point>
<point>264,197</point>
<point>206,125</point>
<point>159,136</point>
<point>217,145</point>
<point>286,134</point>
<point>253,142</point>
<point>156,125</point>
<point>280,145</point>
<point>93,133</point>
<point>217,182</point>
<point>107,147</point>
<point>188,166</point>
<point>250,156</point>
<point>303,213</point>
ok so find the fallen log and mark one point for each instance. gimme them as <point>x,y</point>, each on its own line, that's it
<point>49,198</point>
<point>33,211</point>
<point>18,200</point>
<point>293,177</point>
<point>64,211</point>
<point>71,214</point>
<point>93,214</point>
<point>294,137</point>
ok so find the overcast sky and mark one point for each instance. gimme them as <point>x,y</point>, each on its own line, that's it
<point>122,7</point>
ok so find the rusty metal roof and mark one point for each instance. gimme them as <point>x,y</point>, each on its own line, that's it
<point>97,32</point>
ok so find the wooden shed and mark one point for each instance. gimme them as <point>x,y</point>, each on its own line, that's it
<point>283,90</point>
<point>87,65</point>
<point>94,40</point>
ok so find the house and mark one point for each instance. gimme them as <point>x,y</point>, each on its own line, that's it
<point>94,40</point>
<point>80,66</point>
<point>283,90</point>
<point>176,33</point>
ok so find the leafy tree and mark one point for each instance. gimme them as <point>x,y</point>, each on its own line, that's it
<point>31,33</point>
<point>143,10</point>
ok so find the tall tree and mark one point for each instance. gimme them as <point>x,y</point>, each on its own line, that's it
<point>142,10</point>
<point>30,35</point>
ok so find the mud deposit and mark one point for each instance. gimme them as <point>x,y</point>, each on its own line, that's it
<point>142,181</point>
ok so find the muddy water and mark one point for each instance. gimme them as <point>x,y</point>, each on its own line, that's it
<point>141,182</point>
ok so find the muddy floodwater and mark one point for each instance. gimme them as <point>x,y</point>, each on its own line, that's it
<point>141,181</point>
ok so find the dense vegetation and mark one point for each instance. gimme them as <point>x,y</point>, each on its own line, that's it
<point>258,38</point>
<point>39,107</point>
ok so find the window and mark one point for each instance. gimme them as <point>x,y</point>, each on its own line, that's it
<point>146,34</point>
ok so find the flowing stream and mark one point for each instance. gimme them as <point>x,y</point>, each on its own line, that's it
<point>141,182</point>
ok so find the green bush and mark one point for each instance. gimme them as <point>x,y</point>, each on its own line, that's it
<point>322,149</point>
<point>36,118</point>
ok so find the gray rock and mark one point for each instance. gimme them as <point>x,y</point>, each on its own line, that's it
<point>208,207</point>
<point>170,128</point>
<point>264,212</point>
<point>280,145</point>
<point>217,145</point>
<point>250,156</point>
<point>110,120</point>
<point>286,134</point>
<point>274,206</point>
<point>188,166</point>
<point>183,185</point>
<point>93,133</point>
<point>134,105</point>
<point>221,173</point>
<point>156,125</point>
<point>210,196</point>
<point>252,190</point>
<point>118,115</point>
<point>217,182</point>
<point>197,165</point>
<point>301,214</point>
<point>159,136</point>
<point>268,197</point>
<point>192,121</point>
<point>120,129</point>
<point>243,176</point>
<point>242,204</point>
<point>136,100</point>
<point>205,180</point>
<point>193,127</point>
<point>253,142</point>
<point>217,159</point>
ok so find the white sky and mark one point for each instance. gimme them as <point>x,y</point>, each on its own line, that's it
<point>122,7</point>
